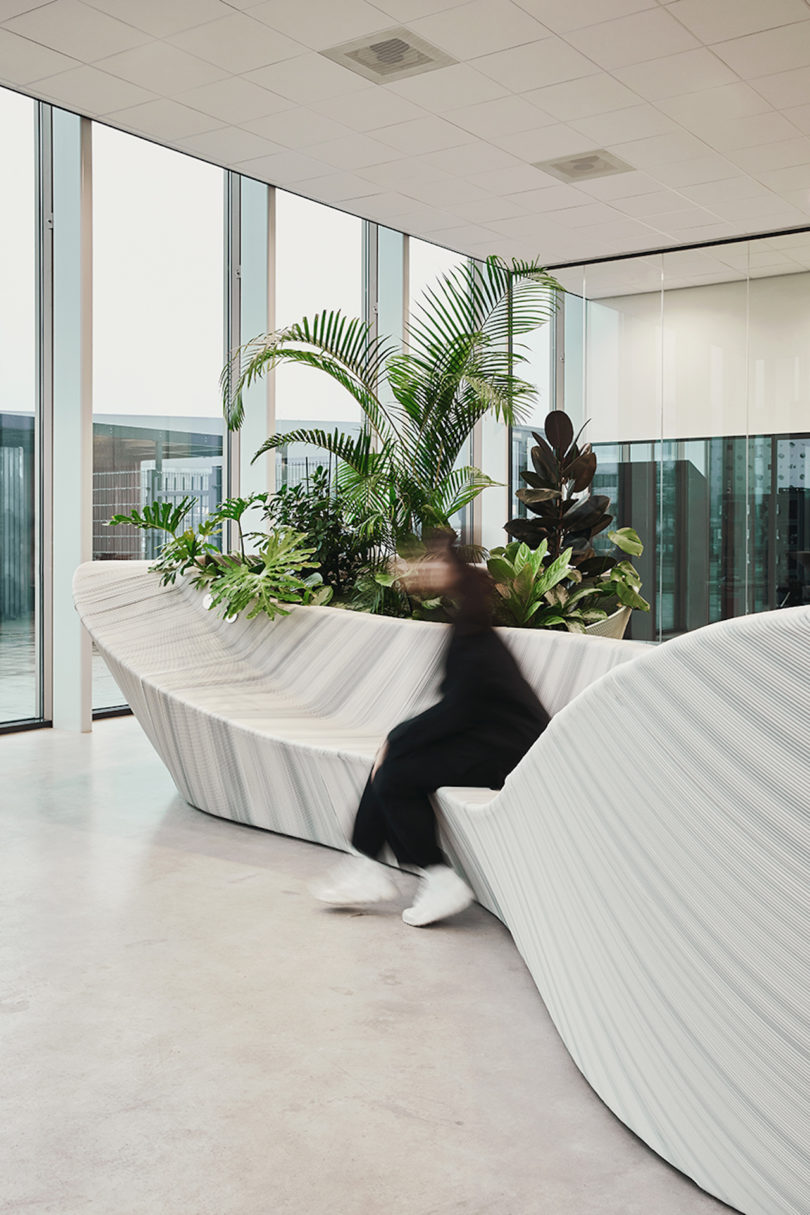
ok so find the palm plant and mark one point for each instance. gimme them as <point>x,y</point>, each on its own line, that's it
<point>403,471</point>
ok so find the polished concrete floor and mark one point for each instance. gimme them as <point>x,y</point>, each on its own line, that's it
<point>184,1032</point>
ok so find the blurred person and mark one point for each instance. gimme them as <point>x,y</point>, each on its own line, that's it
<point>486,720</point>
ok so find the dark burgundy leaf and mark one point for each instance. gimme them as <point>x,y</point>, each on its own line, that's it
<point>559,431</point>
<point>528,531</point>
<point>537,482</point>
<point>581,471</point>
<point>545,462</point>
<point>531,497</point>
<point>597,565</point>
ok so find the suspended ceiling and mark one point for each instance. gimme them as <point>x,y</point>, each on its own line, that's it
<point>707,100</point>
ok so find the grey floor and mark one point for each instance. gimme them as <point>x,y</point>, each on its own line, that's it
<point>186,1032</point>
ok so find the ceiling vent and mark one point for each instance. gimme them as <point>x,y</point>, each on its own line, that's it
<point>389,55</point>
<point>585,166</point>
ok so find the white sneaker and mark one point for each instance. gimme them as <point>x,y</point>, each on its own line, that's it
<point>441,893</point>
<point>354,881</point>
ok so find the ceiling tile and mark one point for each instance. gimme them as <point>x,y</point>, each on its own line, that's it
<point>369,108</point>
<point>799,198</point>
<point>564,15</point>
<point>550,198</point>
<point>694,171</point>
<point>683,220</point>
<point>74,29</point>
<point>163,119</point>
<point>161,68</point>
<point>777,50</point>
<point>723,19</point>
<point>548,61</point>
<point>634,39</point>
<point>162,17</point>
<point>504,116</point>
<point>411,10</point>
<point>713,192</point>
<point>635,122</point>
<point>353,151</point>
<point>13,8</point>
<point>545,143</point>
<point>484,210</point>
<point>308,79</point>
<point>462,236</point>
<point>22,61</point>
<point>780,155</point>
<point>398,173</point>
<point>667,76</point>
<point>732,134</point>
<point>660,149</point>
<point>772,211</point>
<point>422,135</point>
<point>659,202</point>
<point>444,193</point>
<point>448,88</point>
<point>479,28</point>
<point>619,185</point>
<point>475,157</point>
<point>229,145</point>
<point>237,43</point>
<point>336,187</point>
<point>729,101</point>
<point>784,89</point>
<point>797,177</point>
<point>512,181</point>
<point>92,92</point>
<point>233,100</point>
<point>799,116</point>
<point>296,127</point>
<point>584,216</point>
<point>321,24</point>
<point>583,97</point>
<point>283,168</point>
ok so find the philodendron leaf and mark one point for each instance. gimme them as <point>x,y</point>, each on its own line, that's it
<point>627,539</point>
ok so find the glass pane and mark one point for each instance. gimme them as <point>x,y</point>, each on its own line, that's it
<point>779,423</point>
<point>704,465</point>
<point>319,266</point>
<point>19,581</point>
<point>157,341</point>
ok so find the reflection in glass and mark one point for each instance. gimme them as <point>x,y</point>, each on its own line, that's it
<point>19,583</point>
<point>319,266</point>
<point>157,342</point>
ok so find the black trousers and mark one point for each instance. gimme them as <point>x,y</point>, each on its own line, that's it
<point>396,808</point>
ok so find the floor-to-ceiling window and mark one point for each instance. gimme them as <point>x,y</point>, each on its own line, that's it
<point>19,580</point>
<point>319,266</point>
<point>158,344</point>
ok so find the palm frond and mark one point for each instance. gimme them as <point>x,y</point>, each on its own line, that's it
<point>344,348</point>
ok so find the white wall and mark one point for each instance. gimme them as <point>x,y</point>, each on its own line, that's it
<point>728,358</point>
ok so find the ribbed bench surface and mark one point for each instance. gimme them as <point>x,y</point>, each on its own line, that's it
<point>650,855</point>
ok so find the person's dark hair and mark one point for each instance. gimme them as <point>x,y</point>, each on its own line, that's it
<point>475,589</point>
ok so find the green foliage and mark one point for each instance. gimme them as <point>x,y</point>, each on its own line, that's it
<point>266,581</point>
<point>158,516</point>
<point>524,581</point>
<point>401,473</point>
<point>317,508</point>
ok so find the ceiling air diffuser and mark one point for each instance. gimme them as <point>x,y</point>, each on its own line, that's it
<point>585,166</point>
<point>388,55</point>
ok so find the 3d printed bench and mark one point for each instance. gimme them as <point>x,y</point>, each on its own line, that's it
<point>650,855</point>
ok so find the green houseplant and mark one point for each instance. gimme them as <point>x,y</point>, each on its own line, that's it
<point>404,471</point>
<point>568,518</point>
<point>268,571</point>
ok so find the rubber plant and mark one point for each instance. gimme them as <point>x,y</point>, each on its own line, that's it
<point>405,470</point>
<point>569,517</point>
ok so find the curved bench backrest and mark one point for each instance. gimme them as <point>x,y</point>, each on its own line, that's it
<point>660,830</point>
<point>369,670</point>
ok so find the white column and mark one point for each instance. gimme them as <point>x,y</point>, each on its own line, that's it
<point>72,535</point>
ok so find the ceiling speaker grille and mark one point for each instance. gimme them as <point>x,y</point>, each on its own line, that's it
<point>585,166</point>
<point>389,55</point>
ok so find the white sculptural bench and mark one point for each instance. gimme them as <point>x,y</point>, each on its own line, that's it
<point>650,855</point>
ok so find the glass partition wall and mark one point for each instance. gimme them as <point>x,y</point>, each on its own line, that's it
<point>692,369</point>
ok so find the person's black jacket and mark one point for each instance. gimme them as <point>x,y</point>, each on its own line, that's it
<point>486,702</point>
